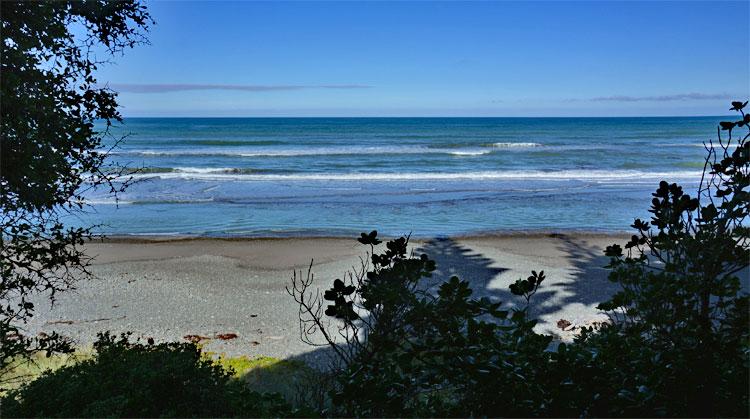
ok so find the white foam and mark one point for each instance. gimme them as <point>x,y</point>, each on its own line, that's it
<point>469,152</point>
<point>311,151</point>
<point>111,201</point>
<point>513,145</point>
<point>196,170</point>
<point>483,175</point>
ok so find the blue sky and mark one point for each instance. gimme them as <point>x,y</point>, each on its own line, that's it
<point>437,59</point>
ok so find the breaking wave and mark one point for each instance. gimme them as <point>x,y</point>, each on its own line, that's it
<point>593,175</point>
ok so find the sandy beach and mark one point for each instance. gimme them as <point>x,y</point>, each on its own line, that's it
<point>172,288</point>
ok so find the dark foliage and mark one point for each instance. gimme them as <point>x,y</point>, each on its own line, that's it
<point>49,151</point>
<point>406,351</point>
<point>681,335</point>
<point>131,379</point>
<point>677,345</point>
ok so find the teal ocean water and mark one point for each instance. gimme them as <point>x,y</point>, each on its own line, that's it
<point>427,176</point>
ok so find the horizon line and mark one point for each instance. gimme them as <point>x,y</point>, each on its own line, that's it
<point>422,117</point>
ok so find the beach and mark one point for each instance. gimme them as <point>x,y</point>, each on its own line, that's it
<point>223,211</point>
<point>176,289</point>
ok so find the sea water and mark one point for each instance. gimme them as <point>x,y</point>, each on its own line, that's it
<point>424,176</point>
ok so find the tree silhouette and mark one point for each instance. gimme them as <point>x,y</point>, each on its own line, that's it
<point>49,151</point>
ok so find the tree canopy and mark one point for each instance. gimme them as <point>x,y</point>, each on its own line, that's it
<point>50,147</point>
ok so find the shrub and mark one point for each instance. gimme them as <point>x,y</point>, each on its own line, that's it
<point>132,379</point>
<point>678,343</point>
<point>410,352</point>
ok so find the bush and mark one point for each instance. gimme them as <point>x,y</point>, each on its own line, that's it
<point>409,352</point>
<point>678,343</point>
<point>126,379</point>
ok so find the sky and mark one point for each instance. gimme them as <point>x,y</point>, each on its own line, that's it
<point>500,58</point>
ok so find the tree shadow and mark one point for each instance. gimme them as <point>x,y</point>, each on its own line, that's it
<point>583,282</point>
<point>453,259</point>
<point>590,283</point>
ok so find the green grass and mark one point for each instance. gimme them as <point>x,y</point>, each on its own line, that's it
<point>262,373</point>
<point>24,371</point>
<point>243,364</point>
<point>267,374</point>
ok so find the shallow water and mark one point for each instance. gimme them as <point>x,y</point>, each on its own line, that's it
<point>428,176</point>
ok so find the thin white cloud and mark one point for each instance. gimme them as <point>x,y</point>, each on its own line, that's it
<point>663,98</point>
<point>183,87</point>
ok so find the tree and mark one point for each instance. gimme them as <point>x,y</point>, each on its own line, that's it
<point>678,343</point>
<point>682,309</point>
<point>402,350</point>
<point>49,154</point>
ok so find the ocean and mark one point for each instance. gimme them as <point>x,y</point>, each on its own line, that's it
<point>277,177</point>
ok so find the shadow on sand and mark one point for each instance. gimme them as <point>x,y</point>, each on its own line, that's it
<point>585,283</point>
<point>589,284</point>
<point>453,259</point>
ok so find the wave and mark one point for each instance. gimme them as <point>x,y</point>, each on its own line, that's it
<point>211,170</point>
<point>592,175</point>
<point>198,170</point>
<point>514,145</point>
<point>301,152</point>
<point>469,152</point>
<point>716,145</point>
<point>440,146</point>
<point>110,201</point>
<point>431,149</point>
<point>230,143</point>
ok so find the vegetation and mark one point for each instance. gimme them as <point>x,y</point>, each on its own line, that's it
<point>26,369</point>
<point>677,343</point>
<point>49,150</point>
<point>408,352</point>
<point>133,379</point>
<point>680,343</point>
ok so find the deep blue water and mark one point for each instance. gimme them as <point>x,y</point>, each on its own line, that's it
<point>428,176</point>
